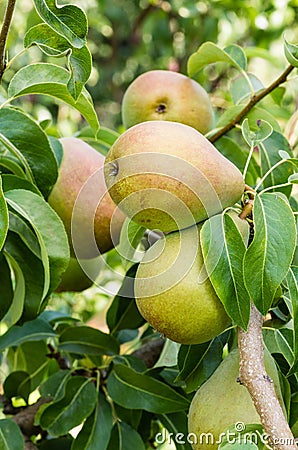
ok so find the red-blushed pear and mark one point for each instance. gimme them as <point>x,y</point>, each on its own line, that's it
<point>91,218</point>
<point>168,176</point>
<point>167,95</point>
<point>173,292</point>
<point>79,275</point>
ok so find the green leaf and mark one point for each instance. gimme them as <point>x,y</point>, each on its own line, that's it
<point>237,54</point>
<point>33,330</point>
<point>123,312</point>
<point>29,273</point>
<point>49,230</point>
<point>87,340</point>
<point>10,182</point>
<point>17,305</point>
<point>19,226</point>
<point>293,178</point>
<point>280,341</point>
<point>52,80</point>
<point>78,59</point>
<point>54,385</point>
<point>238,156</point>
<point>176,424</point>
<point>223,249</point>
<point>62,443</point>
<point>69,21</point>
<point>269,256</point>
<point>254,137</point>
<point>3,217</point>
<point>209,53</point>
<point>28,138</point>
<point>124,437</point>
<point>294,413</point>
<point>130,237</point>
<point>134,390</point>
<point>31,358</point>
<point>77,404</point>
<point>17,384</point>
<point>247,436</point>
<point>291,53</point>
<point>96,430</point>
<point>243,87</point>
<point>12,164</point>
<point>102,142</point>
<point>270,155</point>
<point>259,115</point>
<point>11,437</point>
<point>292,281</point>
<point>228,115</point>
<point>6,288</point>
<point>198,362</point>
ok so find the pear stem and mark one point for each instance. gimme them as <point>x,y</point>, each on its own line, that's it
<point>253,376</point>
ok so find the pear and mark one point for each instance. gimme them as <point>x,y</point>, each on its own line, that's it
<point>91,219</point>
<point>167,95</point>
<point>79,275</point>
<point>221,402</point>
<point>168,176</point>
<point>173,292</point>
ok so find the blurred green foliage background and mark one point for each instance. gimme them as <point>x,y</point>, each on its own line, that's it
<point>128,37</point>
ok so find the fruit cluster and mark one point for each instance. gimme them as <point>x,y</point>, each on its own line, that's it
<point>164,174</point>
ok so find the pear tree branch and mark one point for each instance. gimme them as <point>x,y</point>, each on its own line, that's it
<point>4,33</point>
<point>253,376</point>
<point>252,102</point>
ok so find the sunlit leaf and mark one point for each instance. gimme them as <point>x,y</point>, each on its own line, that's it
<point>70,21</point>
<point>209,53</point>
<point>78,59</point>
<point>52,80</point>
<point>291,53</point>
<point>254,137</point>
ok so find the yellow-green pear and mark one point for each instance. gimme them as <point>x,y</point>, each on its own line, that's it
<point>173,292</point>
<point>79,275</point>
<point>167,95</point>
<point>91,219</point>
<point>221,402</point>
<point>168,176</point>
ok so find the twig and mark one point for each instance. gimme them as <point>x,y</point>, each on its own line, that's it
<point>4,33</point>
<point>253,101</point>
<point>150,352</point>
<point>25,418</point>
<point>253,376</point>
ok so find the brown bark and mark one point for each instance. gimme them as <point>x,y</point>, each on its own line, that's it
<point>260,387</point>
